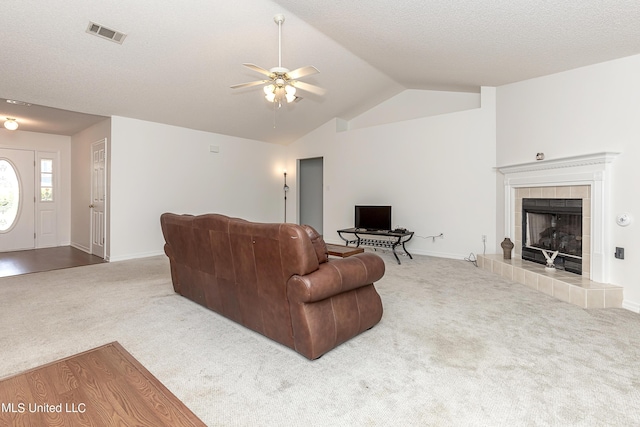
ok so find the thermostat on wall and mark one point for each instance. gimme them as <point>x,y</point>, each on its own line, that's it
<point>623,219</point>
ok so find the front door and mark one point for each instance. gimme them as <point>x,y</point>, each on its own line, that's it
<point>98,197</point>
<point>17,200</point>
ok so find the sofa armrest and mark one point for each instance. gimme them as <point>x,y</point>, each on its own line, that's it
<point>335,277</point>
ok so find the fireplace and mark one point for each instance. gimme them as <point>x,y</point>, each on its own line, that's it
<point>583,177</point>
<point>552,225</point>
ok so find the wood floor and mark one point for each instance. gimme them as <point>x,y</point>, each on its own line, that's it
<point>105,386</point>
<point>35,260</point>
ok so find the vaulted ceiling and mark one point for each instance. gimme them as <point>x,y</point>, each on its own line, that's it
<point>179,59</point>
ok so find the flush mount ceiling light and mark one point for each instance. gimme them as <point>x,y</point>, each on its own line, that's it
<point>11,124</point>
<point>281,84</point>
<point>22,103</point>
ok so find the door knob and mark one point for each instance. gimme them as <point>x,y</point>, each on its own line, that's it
<point>91,206</point>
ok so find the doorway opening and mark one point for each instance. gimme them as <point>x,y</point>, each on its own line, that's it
<point>310,192</point>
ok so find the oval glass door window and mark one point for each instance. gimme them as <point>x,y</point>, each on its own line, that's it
<point>9,195</point>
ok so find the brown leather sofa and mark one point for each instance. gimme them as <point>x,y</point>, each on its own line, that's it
<point>273,278</point>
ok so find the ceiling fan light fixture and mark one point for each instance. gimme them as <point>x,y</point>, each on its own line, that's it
<point>11,124</point>
<point>290,93</point>
<point>276,93</point>
<point>270,93</point>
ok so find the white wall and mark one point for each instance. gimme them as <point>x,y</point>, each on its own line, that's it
<point>39,142</point>
<point>81,167</point>
<point>587,110</point>
<point>436,172</point>
<point>158,168</point>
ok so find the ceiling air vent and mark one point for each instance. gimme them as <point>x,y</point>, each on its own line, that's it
<point>105,33</point>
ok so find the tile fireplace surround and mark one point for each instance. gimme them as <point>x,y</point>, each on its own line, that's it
<point>585,177</point>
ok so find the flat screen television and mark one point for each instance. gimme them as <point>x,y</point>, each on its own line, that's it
<point>373,217</point>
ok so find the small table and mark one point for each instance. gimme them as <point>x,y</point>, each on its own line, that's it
<point>343,251</point>
<point>378,238</point>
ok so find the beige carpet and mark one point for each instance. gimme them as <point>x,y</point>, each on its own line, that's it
<point>457,346</point>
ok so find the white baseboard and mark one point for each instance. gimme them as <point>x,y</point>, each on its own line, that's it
<point>135,256</point>
<point>438,254</point>
<point>80,247</point>
<point>631,306</point>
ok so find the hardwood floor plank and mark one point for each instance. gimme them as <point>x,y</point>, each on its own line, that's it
<point>9,407</point>
<point>76,413</point>
<point>105,386</point>
<point>22,401</point>
<point>94,378</point>
<point>44,395</point>
<point>61,377</point>
<point>131,378</point>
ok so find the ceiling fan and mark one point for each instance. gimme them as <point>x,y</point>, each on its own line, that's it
<point>281,84</point>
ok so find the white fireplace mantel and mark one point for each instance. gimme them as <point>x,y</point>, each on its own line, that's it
<point>565,162</point>
<point>588,169</point>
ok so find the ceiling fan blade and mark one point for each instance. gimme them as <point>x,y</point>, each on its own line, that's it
<point>308,88</point>
<point>259,69</point>
<point>302,72</point>
<point>250,84</point>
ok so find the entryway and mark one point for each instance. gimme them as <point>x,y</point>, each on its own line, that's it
<point>29,199</point>
<point>47,259</point>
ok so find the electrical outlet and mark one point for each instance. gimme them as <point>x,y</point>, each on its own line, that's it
<point>619,253</point>
<point>484,238</point>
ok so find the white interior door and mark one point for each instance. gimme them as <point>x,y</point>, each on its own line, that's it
<point>98,197</point>
<point>17,199</point>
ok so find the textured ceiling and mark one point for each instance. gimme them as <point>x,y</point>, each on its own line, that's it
<point>179,59</point>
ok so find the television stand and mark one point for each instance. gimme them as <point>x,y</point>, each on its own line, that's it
<point>377,239</point>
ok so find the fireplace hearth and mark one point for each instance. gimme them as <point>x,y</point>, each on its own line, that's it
<point>550,225</point>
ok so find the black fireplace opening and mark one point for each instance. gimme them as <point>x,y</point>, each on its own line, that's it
<point>553,225</point>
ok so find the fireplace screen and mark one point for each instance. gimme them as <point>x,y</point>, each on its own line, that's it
<point>551,225</point>
<point>555,232</point>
